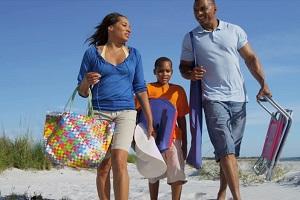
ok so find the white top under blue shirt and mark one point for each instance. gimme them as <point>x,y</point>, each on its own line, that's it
<point>117,85</point>
<point>217,52</point>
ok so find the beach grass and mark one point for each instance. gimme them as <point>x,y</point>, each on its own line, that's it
<point>25,153</point>
<point>22,153</point>
<point>211,171</point>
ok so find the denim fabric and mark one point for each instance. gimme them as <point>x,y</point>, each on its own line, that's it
<point>225,123</point>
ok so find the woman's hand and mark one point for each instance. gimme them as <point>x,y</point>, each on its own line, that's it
<point>151,132</point>
<point>91,78</point>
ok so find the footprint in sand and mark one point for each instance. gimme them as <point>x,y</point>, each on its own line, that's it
<point>200,195</point>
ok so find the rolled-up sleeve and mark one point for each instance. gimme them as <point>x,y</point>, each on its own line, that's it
<point>139,84</point>
<point>85,65</point>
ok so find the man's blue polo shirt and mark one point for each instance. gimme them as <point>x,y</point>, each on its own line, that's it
<point>218,52</point>
<point>117,85</point>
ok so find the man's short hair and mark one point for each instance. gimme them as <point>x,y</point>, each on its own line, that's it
<point>212,1</point>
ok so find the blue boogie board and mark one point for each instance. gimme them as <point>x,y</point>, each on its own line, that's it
<point>194,157</point>
<point>164,120</point>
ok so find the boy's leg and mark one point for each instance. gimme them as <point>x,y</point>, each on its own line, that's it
<point>103,179</point>
<point>176,190</point>
<point>153,190</point>
<point>175,172</point>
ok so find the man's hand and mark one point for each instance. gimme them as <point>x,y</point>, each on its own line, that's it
<point>264,91</point>
<point>197,73</point>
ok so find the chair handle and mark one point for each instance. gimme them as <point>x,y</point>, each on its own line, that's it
<point>260,101</point>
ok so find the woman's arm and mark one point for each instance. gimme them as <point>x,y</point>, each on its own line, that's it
<point>143,99</point>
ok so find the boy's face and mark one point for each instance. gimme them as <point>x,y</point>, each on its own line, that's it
<point>164,72</point>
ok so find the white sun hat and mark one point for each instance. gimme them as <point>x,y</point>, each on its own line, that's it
<point>149,162</point>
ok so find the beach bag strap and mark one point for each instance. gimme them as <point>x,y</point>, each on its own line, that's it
<point>68,106</point>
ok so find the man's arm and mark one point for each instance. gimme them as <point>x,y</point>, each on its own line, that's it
<point>185,68</point>
<point>254,66</point>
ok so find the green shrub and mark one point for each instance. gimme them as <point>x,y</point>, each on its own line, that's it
<point>131,158</point>
<point>39,160</point>
<point>22,153</point>
<point>6,153</point>
<point>210,170</point>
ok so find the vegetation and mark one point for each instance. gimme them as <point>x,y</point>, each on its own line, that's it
<point>131,158</point>
<point>22,153</point>
<point>25,197</point>
<point>210,171</point>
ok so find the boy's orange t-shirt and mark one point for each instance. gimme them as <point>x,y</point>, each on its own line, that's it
<point>174,94</point>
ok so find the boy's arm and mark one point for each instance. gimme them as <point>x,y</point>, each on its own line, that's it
<point>181,122</point>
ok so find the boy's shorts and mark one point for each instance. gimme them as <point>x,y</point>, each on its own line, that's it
<point>175,164</point>
<point>225,123</point>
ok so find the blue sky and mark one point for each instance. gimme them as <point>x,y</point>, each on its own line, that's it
<point>42,44</point>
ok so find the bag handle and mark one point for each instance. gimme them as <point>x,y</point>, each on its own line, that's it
<point>90,110</point>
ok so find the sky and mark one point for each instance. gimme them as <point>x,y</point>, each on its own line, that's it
<point>42,44</point>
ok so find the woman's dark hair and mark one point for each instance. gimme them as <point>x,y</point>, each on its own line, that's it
<point>100,36</point>
<point>159,61</point>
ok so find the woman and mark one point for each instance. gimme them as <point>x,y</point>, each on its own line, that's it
<point>114,72</point>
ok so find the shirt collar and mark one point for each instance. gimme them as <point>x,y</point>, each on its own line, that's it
<point>200,29</point>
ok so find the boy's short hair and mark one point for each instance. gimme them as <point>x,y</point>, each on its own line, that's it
<point>160,60</point>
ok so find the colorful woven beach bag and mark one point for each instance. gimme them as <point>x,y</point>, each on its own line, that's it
<point>76,140</point>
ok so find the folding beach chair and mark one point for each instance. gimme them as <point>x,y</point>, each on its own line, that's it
<point>279,126</point>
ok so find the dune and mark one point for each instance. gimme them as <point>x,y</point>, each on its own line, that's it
<point>80,185</point>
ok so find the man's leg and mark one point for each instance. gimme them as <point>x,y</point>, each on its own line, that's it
<point>120,174</point>
<point>176,190</point>
<point>225,123</point>
<point>103,179</point>
<point>230,169</point>
<point>223,186</point>
<point>153,189</point>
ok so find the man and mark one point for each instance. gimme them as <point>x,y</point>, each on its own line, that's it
<point>217,46</point>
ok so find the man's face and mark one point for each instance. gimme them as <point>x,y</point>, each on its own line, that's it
<point>204,11</point>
